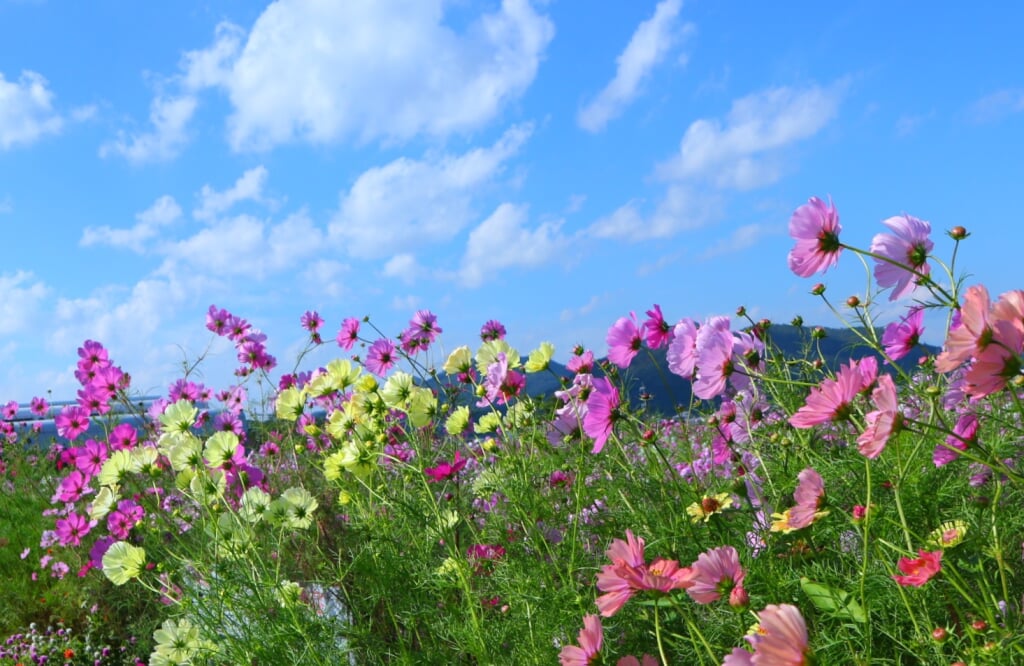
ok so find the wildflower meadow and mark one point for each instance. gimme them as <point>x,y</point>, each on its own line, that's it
<point>414,502</point>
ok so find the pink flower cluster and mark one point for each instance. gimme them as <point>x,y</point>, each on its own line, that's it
<point>248,341</point>
<point>989,338</point>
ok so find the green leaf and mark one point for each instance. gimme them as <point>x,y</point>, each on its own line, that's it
<point>834,602</point>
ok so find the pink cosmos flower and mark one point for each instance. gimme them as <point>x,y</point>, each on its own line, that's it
<point>810,490</point>
<point>590,640</point>
<point>445,470</point>
<point>972,335</point>
<point>716,573</point>
<point>492,330</point>
<point>657,331</point>
<point>349,333</point>
<point>630,660</point>
<point>908,246</point>
<point>39,406</point>
<point>217,320</point>
<point>425,323</point>
<point>714,350</point>
<point>127,515</point>
<point>682,350</point>
<point>919,571</point>
<point>628,574</point>
<point>72,529</point>
<point>72,421</point>
<point>815,227</point>
<point>581,363</point>
<point>92,356</point>
<point>624,341</point>
<point>123,436</point>
<point>965,433</point>
<point>90,457</point>
<point>72,487</point>
<point>501,384</point>
<point>831,400</point>
<point>782,638</point>
<point>380,357</point>
<point>882,423</point>
<point>602,412</point>
<point>10,410</point>
<point>902,336</point>
<point>996,364</point>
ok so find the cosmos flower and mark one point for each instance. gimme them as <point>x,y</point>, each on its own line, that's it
<point>815,227</point>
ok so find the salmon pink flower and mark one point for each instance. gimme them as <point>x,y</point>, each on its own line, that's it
<point>624,341</point>
<point>882,423</point>
<point>831,401</point>
<point>997,363</point>
<point>815,227</point>
<point>781,639</point>
<point>715,574</point>
<point>972,335</point>
<point>919,571</point>
<point>590,640</point>
<point>905,254</point>
<point>602,412</point>
<point>628,574</point>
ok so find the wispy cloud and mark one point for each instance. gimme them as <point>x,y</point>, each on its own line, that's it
<point>248,187</point>
<point>740,239</point>
<point>504,241</point>
<point>163,212</point>
<point>652,41</point>
<point>997,105</point>
<point>23,294</point>
<point>409,203</point>
<point>740,152</point>
<point>26,110</point>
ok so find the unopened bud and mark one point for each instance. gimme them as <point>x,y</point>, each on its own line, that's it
<point>958,233</point>
<point>852,301</point>
<point>741,311</point>
<point>818,289</point>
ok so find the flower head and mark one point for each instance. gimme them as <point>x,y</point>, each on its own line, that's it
<point>815,227</point>
<point>715,574</point>
<point>624,341</point>
<point>905,254</point>
<point>949,534</point>
<point>882,423</point>
<point>709,506</point>
<point>602,412</point>
<point>590,640</point>
<point>917,572</point>
<point>831,400</point>
<point>782,637</point>
<point>122,562</point>
<point>380,357</point>
<point>902,336</point>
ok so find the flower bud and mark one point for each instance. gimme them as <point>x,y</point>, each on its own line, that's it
<point>741,311</point>
<point>818,289</point>
<point>852,302</point>
<point>958,233</point>
<point>939,634</point>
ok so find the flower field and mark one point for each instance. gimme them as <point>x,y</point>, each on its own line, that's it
<point>404,506</point>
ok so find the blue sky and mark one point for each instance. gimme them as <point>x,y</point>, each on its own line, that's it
<point>553,165</point>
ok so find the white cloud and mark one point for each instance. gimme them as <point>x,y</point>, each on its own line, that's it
<point>405,303</point>
<point>908,123</point>
<point>22,297</point>
<point>650,44</point>
<point>323,277</point>
<point>389,70</point>
<point>163,212</point>
<point>997,105</point>
<point>503,241</point>
<point>169,116</point>
<point>403,267</point>
<point>741,152</point>
<point>740,239</point>
<point>249,186</point>
<point>569,314</point>
<point>26,110</point>
<point>177,100</point>
<point>408,203</point>
<point>681,208</point>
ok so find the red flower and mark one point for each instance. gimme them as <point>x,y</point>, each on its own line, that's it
<point>920,571</point>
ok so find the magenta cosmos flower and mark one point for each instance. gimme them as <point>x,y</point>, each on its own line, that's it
<point>904,254</point>
<point>349,333</point>
<point>72,421</point>
<point>590,640</point>
<point>902,336</point>
<point>656,330</point>
<point>810,490</point>
<point>602,412</point>
<point>965,433</point>
<point>815,227</point>
<point>380,357</point>
<point>682,350</point>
